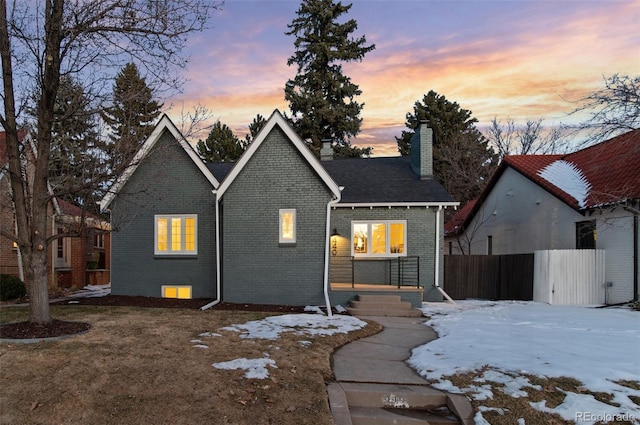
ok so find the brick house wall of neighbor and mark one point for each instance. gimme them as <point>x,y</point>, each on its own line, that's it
<point>8,254</point>
<point>166,182</point>
<point>256,268</point>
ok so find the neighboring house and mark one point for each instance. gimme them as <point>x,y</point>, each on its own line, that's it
<point>586,199</point>
<point>277,226</point>
<point>73,260</point>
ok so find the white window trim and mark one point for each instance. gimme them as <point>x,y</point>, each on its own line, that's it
<point>387,224</point>
<point>182,218</point>
<point>295,224</point>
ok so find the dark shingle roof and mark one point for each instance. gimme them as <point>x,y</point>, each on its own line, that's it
<point>383,180</point>
<point>220,169</point>
<point>371,180</point>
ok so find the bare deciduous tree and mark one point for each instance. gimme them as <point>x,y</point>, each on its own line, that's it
<point>42,41</point>
<point>530,138</point>
<point>614,110</point>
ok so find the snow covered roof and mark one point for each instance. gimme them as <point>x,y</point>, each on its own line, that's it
<point>602,174</point>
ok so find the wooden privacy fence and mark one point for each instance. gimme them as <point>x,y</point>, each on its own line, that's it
<point>495,277</point>
<point>551,276</point>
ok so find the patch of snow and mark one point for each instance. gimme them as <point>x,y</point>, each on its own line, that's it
<point>340,309</point>
<point>313,309</point>
<point>300,324</point>
<point>510,339</point>
<point>209,334</point>
<point>255,368</point>
<point>305,343</point>
<point>200,346</point>
<point>569,178</point>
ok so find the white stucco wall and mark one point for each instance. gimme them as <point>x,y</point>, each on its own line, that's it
<point>522,217</point>
<point>615,236</point>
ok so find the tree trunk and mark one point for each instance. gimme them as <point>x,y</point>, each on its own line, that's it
<point>36,273</point>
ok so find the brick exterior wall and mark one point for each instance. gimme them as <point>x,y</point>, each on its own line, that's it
<point>166,182</point>
<point>255,268</point>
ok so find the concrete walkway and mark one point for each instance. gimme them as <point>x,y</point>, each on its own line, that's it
<point>374,368</point>
<point>381,358</point>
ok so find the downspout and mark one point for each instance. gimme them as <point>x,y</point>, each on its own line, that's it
<point>327,253</point>
<point>217,300</point>
<point>436,278</point>
<point>636,242</point>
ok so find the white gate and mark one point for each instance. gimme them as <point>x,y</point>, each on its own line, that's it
<point>572,276</point>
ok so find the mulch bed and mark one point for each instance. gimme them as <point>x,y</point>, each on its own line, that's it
<point>28,330</point>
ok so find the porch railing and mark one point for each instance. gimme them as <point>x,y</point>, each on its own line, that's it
<point>402,271</point>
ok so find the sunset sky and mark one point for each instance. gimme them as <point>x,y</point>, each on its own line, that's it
<point>517,59</point>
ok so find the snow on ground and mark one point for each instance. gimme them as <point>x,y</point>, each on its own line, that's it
<point>300,324</point>
<point>595,346</point>
<point>271,328</point>
<point>90,291</point>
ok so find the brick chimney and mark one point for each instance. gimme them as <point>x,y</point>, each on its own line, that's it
<point>422,151</point>
<point>326,153</point>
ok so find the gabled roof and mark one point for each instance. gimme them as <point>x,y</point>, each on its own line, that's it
<point>165,124</point>
<point>384,181</point>
<point>276,119</point>
<point>599,175</point>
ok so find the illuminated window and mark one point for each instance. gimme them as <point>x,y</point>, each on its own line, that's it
<point>181,291</point>
<point>379,238</point>
<point>176,235</point>
<point>287,226</point>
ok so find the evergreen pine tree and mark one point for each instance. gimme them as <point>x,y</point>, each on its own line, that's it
<point>321,97</point>
<point>132,115</point>
<point>462,158</point>
<point>75,153</point>
<point>221,145</point>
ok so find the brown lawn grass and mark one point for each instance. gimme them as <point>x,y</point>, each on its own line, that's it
<point>139,366</point>
<point>551,390</point>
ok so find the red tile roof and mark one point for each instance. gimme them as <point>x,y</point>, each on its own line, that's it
<point>452,226</point>
<point>611,170</point>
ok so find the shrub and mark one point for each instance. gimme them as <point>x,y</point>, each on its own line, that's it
<point>11,288</point>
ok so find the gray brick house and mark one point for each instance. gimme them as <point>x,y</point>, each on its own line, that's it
<point>279,226</point>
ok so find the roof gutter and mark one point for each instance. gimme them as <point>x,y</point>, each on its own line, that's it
<point>327,246</point>
<point>218,278</point>
<point>397,204</point>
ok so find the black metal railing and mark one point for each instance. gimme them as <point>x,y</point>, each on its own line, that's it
<point>400,271</point>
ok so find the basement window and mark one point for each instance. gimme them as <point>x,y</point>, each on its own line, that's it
<point>182,292</point>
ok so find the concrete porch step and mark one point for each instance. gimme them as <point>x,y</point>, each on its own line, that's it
<point>382,305</point>
<point>376,312</point>
<point>354,403</point>
<point>396,305</point>
<point>381,416</point>
<point>393,395</point>
<point>379,298</point>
